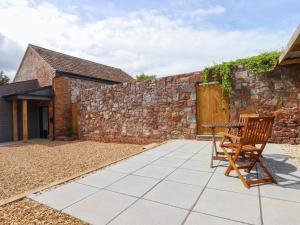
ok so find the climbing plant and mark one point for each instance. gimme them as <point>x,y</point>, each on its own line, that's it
<point>259,64</point>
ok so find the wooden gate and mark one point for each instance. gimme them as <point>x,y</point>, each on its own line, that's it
<point>211,107</point>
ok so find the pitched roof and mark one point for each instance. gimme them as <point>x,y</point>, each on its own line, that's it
<point>291,54</point>
<point>16,87</point>
<point>70,64</point>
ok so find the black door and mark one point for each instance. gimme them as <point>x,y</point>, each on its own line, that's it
<point>44,124</point>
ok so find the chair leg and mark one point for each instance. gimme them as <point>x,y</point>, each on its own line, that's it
<point>233,166</point>
<point>266,171</point>
<point>251,165</point>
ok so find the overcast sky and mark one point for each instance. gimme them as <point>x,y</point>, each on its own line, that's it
<point>161,37</point>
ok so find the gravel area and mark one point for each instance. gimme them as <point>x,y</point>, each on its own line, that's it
<point>29,166</point>
<point>294,152</point>
<point>26,211</point>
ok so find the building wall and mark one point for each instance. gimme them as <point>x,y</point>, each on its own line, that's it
<point>34,67</point>
<point>62,105</point>
<point>148,111</point>
<point>140,112</point>
<point>5,120</point>
<point>66,90</point>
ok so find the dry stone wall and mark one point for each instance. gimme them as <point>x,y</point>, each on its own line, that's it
<point>148,111</point>
<point>276,93</point>
<point>140,112</point>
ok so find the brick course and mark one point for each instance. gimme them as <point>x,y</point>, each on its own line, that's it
<point>62,105</point>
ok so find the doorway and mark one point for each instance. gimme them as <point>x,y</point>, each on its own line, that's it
<point>211,106</point>
<point>44,122</point>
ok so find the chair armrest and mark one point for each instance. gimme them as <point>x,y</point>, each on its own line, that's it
<point>230,136</point>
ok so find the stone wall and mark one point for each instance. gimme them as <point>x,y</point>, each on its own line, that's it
<point>140,112</point>
<point>66,90</point>
<point>148,111</point>
<point>276,93</point>
<point>34,67</point>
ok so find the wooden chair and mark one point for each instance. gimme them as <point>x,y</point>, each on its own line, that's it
<point>243,117</point>
<point>248,148</point>
<point>238,131</point>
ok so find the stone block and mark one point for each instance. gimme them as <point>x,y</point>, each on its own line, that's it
<point>272,102</point>
<point>241,74</point>
<point>278,85</point>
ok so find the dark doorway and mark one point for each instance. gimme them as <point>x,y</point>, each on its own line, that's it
<point>44,122</point>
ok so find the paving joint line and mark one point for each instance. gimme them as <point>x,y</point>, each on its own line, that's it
<point>235,192</point>
<point>111,183</point>
<point>197,199</point>
<point>220,217</point>
<point>259,200</point>
<point>141,197</point>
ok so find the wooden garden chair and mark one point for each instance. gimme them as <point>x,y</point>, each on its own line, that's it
<point>238,131</point>
<point>243,118</point>
<point>248,148</point>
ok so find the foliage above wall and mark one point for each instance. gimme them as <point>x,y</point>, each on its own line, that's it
<point>259,64</point>
<point>145,77</point>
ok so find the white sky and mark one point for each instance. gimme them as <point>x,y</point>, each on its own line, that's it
<point>139,41</point>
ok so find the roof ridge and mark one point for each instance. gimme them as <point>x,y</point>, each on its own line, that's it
<point>35,46</point>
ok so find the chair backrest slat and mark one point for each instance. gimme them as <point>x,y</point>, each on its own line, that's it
<point>243,117</point>
<point>257,130</point>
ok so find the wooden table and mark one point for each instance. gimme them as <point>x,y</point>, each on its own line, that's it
<point>215,155</point>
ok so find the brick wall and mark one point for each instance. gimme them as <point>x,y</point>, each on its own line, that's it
<point>62,105</point>
<point>140,112</point>
<point>34,67</point>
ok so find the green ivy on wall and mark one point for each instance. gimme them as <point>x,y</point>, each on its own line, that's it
<point>259,64</point>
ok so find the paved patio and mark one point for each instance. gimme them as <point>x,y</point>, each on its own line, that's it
<point>173,184</point>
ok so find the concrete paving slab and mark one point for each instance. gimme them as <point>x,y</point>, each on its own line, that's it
<point>200,218</point>
<point>65,195</point>
<point>197,165</point>
<point>153,171</point>
<point>101,207</point>
<point>145,212</point>
<point>230,183</point>
<point>101,179</point>
<point>234,206</point>
<point>133,185</point>
<point>199,178</point>
<point>202,157</point>
<point>126,167</point>
<point>169,162</point>
<point>141,158</point>
<point>277,212</point>
<point>167,192</point>
<point>180,155</point>
<point>156,152</point>
<point>174,177</point>
<point>192,147</point>
<point>278,191</point>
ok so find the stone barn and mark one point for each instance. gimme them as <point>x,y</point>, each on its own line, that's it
<point>37,104</point>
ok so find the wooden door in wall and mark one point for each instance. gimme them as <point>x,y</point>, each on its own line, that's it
<point>211,107</point>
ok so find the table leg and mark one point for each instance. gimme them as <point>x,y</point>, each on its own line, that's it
<point>213,148</point>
